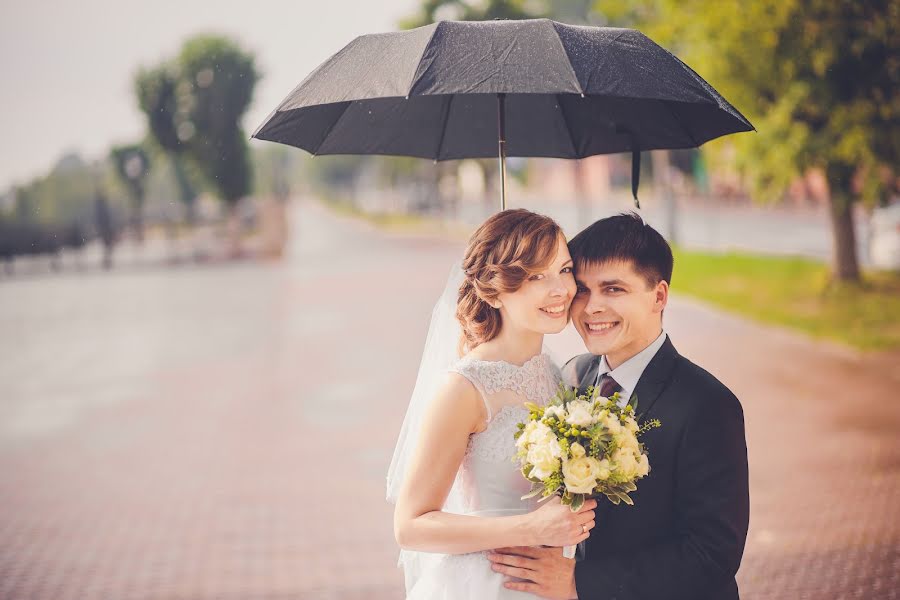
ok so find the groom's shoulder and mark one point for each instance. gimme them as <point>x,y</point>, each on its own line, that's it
<point>575,368</point>
<point>704,386</point>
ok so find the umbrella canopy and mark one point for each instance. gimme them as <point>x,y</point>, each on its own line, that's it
<point>455,90</point>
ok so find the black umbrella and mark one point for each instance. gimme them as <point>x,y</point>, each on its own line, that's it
<point>458,89</point>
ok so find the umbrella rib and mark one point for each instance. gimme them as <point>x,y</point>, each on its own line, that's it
<point>568,127</point>
<point>331,127</point>
<point>568,58</point>
<point>437,153</point>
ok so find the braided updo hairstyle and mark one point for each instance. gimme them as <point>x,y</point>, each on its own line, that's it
<point>503,252</point>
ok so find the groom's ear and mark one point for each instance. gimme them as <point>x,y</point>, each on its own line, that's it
<point>662,296</point>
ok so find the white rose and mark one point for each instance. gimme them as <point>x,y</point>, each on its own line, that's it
<point>623,461</point>
<point>535,432</point>
<point>604,470</point>
<point>601,401</point>
<point>556,411</point>
<point>580,474</point>
<point>626,439</point>
<point>612,423</point>
<point>577,450</point>
<point>580,413</point>
<point>631,425</point>
<point>525,437</point>
<point>544,458</point>
<point>643,466</point>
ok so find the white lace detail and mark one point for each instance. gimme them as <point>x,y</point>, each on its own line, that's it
<point>496,443</point>
<point>536,380</point>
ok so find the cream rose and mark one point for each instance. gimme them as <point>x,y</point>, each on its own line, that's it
<point>556,411</point>
<point>577,450</point>
<point>580,413</point>
<point>535,432</point>
<point>603,472</point>
<point>580,474</point>
<point>624,462</point>
<point>631,425</point>
<point>612,423</point>
<point>544,458</point>
<point>626,439</point>
<point>643,466</point>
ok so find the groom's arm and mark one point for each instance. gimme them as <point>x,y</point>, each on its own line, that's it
<point>712,512</point>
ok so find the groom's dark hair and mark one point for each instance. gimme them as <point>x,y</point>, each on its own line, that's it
<point>624,237</point>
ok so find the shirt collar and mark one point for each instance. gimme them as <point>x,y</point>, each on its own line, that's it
<point>629,372</point>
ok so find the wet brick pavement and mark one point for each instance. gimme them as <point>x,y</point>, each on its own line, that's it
<point>222,431</point>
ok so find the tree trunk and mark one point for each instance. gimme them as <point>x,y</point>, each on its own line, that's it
<point>845,264</point>
<point>137,220</point>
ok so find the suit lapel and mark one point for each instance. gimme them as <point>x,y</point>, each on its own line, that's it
<point>587,372</point>
<point>655,378</point>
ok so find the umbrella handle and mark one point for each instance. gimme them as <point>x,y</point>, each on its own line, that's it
<point>635,175</point>
<point>501,142</point>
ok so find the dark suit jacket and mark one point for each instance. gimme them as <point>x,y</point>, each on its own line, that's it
<point>684,536</point>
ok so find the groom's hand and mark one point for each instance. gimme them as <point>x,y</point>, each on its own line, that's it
<point>547,572</point>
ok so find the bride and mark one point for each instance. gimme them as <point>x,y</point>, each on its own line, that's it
<point>453,477</point>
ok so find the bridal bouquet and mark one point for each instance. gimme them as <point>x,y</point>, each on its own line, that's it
<point>581,447</point>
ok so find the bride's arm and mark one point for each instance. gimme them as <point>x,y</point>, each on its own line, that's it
<point>419,523</point>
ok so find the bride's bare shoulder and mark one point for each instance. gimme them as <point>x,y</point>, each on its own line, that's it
<point>458,397</point>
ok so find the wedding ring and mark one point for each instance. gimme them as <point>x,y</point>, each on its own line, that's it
<point>583,528</point>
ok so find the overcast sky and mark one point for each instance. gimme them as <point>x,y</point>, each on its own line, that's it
<point>67,66</point>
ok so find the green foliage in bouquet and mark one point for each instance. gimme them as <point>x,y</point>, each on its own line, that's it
<point>582,446</point>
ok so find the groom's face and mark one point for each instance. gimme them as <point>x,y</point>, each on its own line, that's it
<point>616,311</point>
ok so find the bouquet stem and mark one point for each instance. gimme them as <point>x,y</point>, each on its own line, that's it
<point>569,551</point>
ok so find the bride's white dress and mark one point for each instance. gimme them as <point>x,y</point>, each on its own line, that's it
<point>490,480</point>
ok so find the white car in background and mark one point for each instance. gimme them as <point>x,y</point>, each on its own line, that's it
<point>884,237</point>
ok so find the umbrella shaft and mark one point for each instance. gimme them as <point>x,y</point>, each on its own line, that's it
<point>501,143</point>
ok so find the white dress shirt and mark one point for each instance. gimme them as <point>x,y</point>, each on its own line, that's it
<point>629,372</point>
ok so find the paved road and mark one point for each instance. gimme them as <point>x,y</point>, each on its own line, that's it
<point>223,431</point>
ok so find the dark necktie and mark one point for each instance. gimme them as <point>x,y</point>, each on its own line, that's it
<point>609,386</point>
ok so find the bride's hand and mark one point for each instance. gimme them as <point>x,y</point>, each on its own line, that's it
<point>554,523</point>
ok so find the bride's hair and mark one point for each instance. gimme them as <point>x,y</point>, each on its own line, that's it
<point>502,253</point>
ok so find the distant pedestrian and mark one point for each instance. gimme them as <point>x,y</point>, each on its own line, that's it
<point>105,227</point>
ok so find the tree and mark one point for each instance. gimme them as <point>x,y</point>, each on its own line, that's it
<point>165,101</point>
<point>132,166</point>
<point>820,79</point>
<point>220,77</point>
<point>434,10</point>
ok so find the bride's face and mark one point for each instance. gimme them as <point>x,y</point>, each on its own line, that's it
<point>542,303</point>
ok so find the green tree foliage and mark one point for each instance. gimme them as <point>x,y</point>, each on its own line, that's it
<point>221,77</point>
<point>818,78</point>
<point>194,106</point>
<point>434,10</point>
<point>63,196</point>
<point>165,100</point>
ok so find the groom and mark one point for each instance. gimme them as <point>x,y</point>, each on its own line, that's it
<point>684,536</point>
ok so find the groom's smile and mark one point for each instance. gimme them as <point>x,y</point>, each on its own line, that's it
<point>603,327</point>
<point>616,310</point>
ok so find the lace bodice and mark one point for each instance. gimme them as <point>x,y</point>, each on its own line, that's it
<point>490,480</point>
<point>536,380</point>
